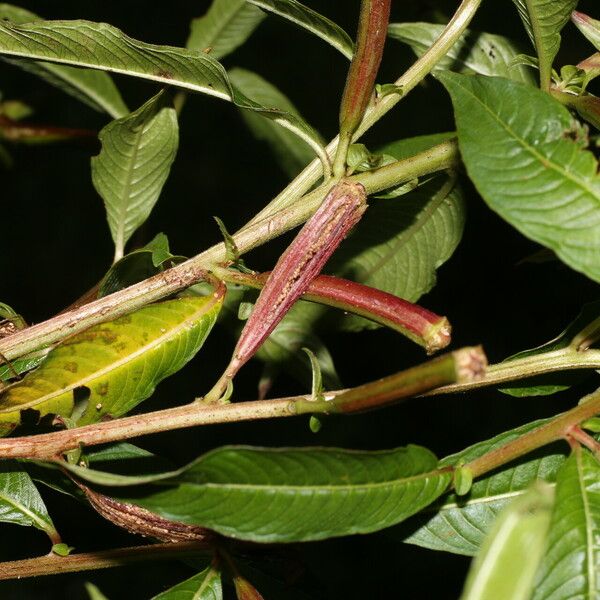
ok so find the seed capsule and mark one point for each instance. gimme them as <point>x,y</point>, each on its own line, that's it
<point>301,263</point>
<point>370,40</point>
<point>295,270</point>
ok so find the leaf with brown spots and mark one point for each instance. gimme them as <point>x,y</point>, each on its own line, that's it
<point>119,363</point>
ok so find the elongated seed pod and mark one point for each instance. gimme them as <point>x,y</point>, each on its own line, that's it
<point>370,39</point>
<point>299,265</point>
<point>422,326</point>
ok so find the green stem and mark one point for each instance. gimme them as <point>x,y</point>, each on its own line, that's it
<point>440,157</point>
<point>194,269</point>
<point>456,366</point>
<point>558,428</point>
<point>52,564</point>
<point>465,364</point>
<point>341,155</point>
<point>408,81</point>
<point>521,368</point>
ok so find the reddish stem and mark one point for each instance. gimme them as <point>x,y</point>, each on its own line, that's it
<point>424,327</point>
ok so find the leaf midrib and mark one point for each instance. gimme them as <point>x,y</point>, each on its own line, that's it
<point>410,232</point>
<point>434,475</point>
<point>125,198</point>
<point>99,66</point>
<point>37,520</point>
<point>206,583</point>
<point>546,162</point>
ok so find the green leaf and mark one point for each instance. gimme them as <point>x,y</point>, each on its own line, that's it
<point>572,562</point>
<point>517,144</point>
<point>290,495</point>
<point>473,52</point>
<point>589,27</point>
<point>543,20</point>
<point>21,503</point>
<point>292,153</point>
<point>204,586</point>
<point>459,525</point>
<point>110,368</point>
<point>544,385</point>
<point>133,165</point>
<point>399,243</point>
<point>104,47</point>
<point>312,21</point>
<point>138,265</point>
<point>97,90</point>
<point>508,560</point>
<point>226,25</point>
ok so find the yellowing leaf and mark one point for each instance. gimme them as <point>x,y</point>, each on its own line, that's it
<point>110,368</point>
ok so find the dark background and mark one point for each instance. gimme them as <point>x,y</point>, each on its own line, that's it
<point>56,245</point>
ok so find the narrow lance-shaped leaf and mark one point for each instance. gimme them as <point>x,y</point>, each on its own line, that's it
<point>544,20</point>
<point>110,368</point>
<point>523,151</point>
<point>473,52</point>
<point>133,165</point>
<point>312,21</point>
<point>226,25</point>
<point>509,558</point>
<point>90,87</point>
<point>296,268</point>
<point>572,561</point>
<point>203,586</point>
<point>104,47</point>
<point>292,153</point>
<point>21,503</point>
<point>288,495</point>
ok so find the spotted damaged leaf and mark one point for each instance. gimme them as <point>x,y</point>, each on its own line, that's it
<point>108,369</point>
